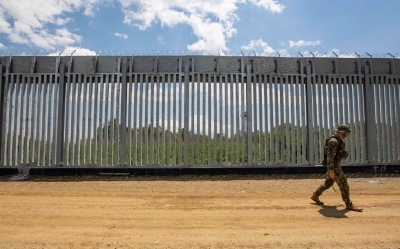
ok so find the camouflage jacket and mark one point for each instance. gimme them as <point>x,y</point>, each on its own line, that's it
<point>334,153</point>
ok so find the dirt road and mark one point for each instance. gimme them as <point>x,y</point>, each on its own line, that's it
<point>203,212</point>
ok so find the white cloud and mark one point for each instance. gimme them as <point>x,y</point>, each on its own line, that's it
<point>258,45</point>
<point>302,43</point>
<point>89,6</point>
<point>271,5</point>
<point>212,21</point>
<point>42,23</point>
<point>2,45</point>
<point>62,21</point>
<point>124,36</point>
<point>4,25</point>
<point>211,35</point>
<point>26,22</point>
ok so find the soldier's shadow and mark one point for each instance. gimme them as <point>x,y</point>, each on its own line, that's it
<point>333,212</point>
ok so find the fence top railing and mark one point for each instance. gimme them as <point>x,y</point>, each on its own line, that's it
<point>287,54</point>
<point>198,62</point>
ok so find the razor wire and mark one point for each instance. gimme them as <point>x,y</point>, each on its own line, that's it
<point>286,54</point>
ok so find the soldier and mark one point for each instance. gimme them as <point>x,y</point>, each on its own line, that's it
<point>333,154</point>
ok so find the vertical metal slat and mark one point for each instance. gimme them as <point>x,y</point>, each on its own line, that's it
<point>215,119</point>
<point>140,126</point>
<point>255,119</point>
<point>84,119</point>
<point>351,118</point>
<point>79,124</point>
<point>14,157</point>
<point>102,102</point>
<point>186,114</point>
<point>277,102</point>
<point>169,120</point>
<point>262,120</point>
<point>27,121</point>
<point>89,105</point>
<point>199,119</point>
<point>24,120</point>
<point>286,148</point>
<point>237,87</point>
<point>389,148</point>
<point>232,117</point>
<point>136,126</point>
<point>73,115</point>
<point>158,105</point>
<point>174,107</point>
<point>96,124</point>
<point>163,118</point>
<point>180,118</point>
<point>293,119</point>
<point>273,119</point>
<point>3,108</point>
<point>267,113</point>
<point>132,120</point>
<point>209,117</point>
<point>204,140</point>
<point>44,118</point>
<point>297,100</point>
<point>61,116</point>
<point>249,115</point>
<point>113,117</point>
<point>394,141</point>
<point>315,117</point>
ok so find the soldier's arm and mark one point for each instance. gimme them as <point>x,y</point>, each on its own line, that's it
<point>331,153</point>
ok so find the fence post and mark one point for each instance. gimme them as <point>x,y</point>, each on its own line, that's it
<point>249,116</point>
<point>369,101</point>
<point>310,128</point>
<point>60,116</point>
<point>2,105</point>
<point>122,130</point>
<point>186,114</point>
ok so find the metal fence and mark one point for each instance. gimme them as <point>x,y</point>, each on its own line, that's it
<point>195,111</point>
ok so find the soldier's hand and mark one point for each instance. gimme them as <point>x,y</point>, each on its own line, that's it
<point>332,174</point>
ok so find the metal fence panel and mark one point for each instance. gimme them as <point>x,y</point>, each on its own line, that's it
<point>387,103</point>
<point>211,111</point>
<point>29,120</point>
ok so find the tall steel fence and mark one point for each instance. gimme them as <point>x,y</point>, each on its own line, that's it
<point>195,111</point>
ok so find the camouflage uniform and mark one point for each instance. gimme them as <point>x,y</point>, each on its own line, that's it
<point>335,152</point>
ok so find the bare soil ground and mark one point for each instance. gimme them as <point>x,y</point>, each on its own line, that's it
<point>196,212</point>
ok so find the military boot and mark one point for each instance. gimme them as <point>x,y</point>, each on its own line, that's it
<point>316,199</point>
<point>354,208</point>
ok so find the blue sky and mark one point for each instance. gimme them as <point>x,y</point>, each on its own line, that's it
<point>226,26</point>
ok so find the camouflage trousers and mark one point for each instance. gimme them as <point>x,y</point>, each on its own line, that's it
<point>341,181</point>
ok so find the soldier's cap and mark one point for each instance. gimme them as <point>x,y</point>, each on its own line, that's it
<point>343,127</point>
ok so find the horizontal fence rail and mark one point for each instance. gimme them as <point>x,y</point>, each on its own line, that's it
<point>195,111</point>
